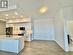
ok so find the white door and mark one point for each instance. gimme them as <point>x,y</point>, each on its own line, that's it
<point>70,33</point>
<point>43,29</point>
<point>70,28</point>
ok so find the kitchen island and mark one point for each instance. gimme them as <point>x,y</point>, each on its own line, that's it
<point>13,43</point>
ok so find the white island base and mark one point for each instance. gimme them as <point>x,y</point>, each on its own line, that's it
<point>12,44</point>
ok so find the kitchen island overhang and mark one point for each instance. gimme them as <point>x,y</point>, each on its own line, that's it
<point>11,44</point>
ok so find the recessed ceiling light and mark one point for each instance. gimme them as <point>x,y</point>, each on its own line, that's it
<point>43,9</point>
<point>16,13</point>
<point>6,15</point>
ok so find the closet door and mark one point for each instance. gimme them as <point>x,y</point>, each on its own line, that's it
<point>43,29</point>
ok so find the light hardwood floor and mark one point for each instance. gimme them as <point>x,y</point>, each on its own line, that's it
<point>40,48</point>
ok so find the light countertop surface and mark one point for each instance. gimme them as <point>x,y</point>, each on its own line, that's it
<point>14,37</point>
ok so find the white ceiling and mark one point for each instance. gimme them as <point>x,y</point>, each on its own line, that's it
<point>28,8</point>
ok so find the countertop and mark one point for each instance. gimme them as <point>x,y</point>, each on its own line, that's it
<point>14,37</point>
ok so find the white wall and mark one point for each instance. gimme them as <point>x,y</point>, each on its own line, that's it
<point>68,16</point>
<point>68,13</point>
<point>60,23</point>
<point>59,28</point>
